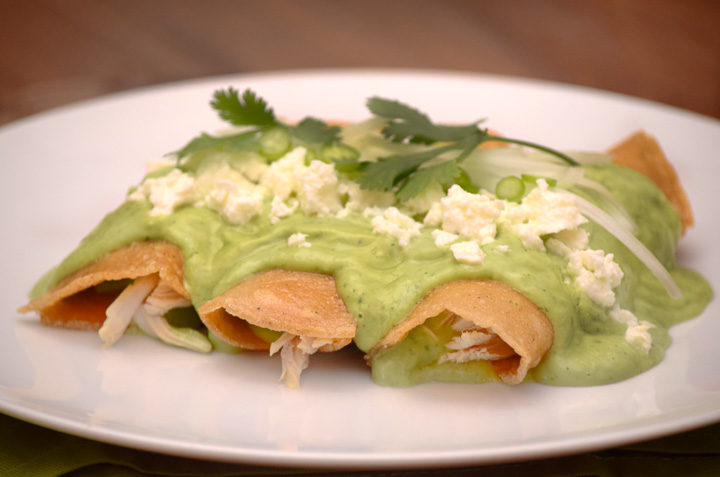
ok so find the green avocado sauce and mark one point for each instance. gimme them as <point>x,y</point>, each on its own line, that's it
<point>380,281</point>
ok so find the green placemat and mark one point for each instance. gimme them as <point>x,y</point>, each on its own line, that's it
<point>27,450</point>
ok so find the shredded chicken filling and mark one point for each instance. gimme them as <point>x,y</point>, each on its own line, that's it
<point>295,354</point>
<point>474,343</point>
<point>145,303</point>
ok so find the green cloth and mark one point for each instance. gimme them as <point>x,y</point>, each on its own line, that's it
<point>27,450</point>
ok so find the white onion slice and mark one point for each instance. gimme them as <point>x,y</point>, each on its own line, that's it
<point>158,327</point>
<point>609,203</point>
<point>150,318</point>
<point>487,166</point>
<point>604,220</point>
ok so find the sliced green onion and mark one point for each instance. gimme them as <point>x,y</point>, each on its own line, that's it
<point>274,142</point>
<point>510,188</point>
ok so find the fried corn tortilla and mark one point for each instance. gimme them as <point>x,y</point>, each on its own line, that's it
<point>641,152</point>
<point>518,334</point>
<point>299,303</point>
<point>78,302</point>
<point>305,307</point>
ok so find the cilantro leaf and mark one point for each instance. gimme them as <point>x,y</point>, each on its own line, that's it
<point>316,131</point>
<point>409,124</point>
<point>444,173</point>
<point>387,172</point>
<point>236,142</point>
<point>250,110</point>
<point>405,171</point>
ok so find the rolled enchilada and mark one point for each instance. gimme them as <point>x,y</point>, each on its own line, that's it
<point>306,238</point>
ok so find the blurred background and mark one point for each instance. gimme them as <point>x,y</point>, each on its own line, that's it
<point>54,52</point>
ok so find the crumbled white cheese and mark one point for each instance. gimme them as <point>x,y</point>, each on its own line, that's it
<point>434,216</point>
<point>280,208</point>
<point>253,168</point>
<point>394,223</point>
<point>443,238</point>
<point>316,188</point>
<point>540,213</point>
<point>167,192</point>
<point>503,248</point>
<point>467,252</point>
<point>298,240</point>
<point>279,178</point>
<point>470,215</point>
<point>596,273</point>
<point>637,333</point>
<point>211,172</point>
<point>238,205</point>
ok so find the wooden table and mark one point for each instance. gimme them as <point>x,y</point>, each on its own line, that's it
<point>58,52</point>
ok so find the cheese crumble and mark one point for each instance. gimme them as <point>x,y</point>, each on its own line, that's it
<point>299,240</point>
<point>540,213</point>
<point>236,204</point>
<point>167,192</point>
<point>442,238</point>
<point>471,215</point>
<point>394,223</point>
<point>467,252</point>
<point>596,273</point>
<point>637,333</point>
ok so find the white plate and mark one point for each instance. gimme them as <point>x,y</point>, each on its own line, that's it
<point>64,169</point>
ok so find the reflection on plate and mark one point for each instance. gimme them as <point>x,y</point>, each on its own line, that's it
<point>64,169</point>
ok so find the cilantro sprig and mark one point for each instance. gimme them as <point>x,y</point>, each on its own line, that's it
<point>441,147</point>
<point>409,174</point>
<point>408,124</point>
<point>256,117</point>
<point>248,110</point>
